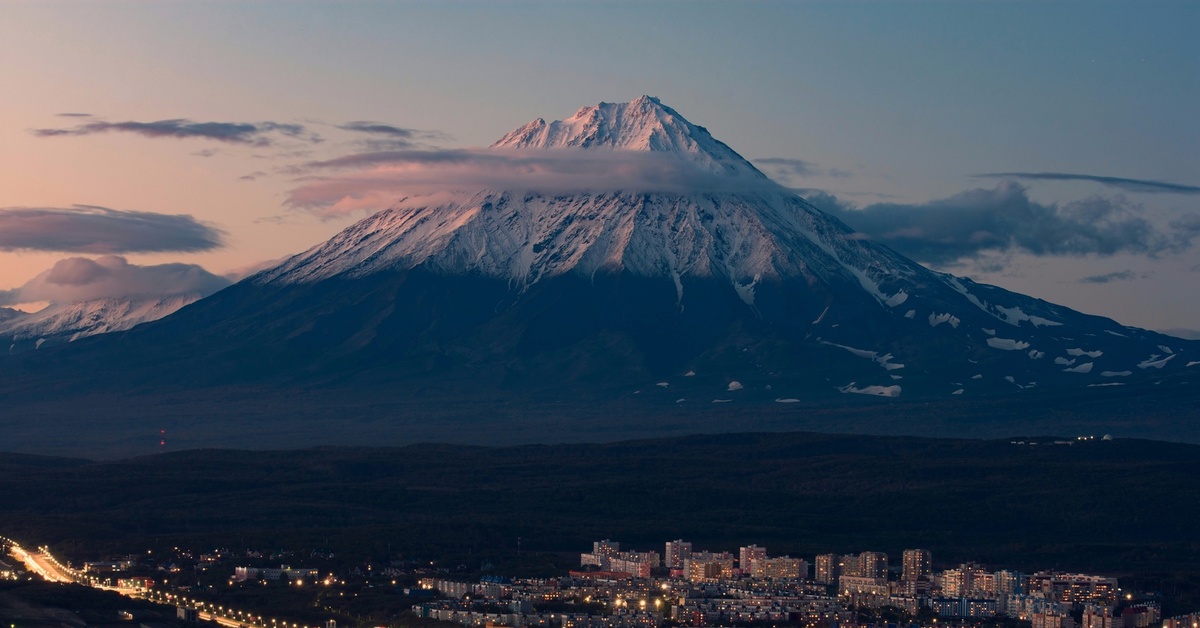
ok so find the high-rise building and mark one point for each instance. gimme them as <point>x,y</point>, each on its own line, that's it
<point>827,568</point>
<point>698,571</point>
<point>748,555</point>
<point>1010,582</point>
<point>848,564</point>
<point>872,565</point>
<point>1073,588</point>
<point>605,548</point>
<point>700,566</point>
<point>678,552</point>
<point>917,563</point>
<point>782,567</point>
<point>1099,616</point>
<point>955,583</point>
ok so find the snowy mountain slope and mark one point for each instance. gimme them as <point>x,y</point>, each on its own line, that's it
<point>8,314</point>
<point>65,323</point>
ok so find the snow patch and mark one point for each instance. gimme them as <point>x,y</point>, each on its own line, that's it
<point>1165,349</point>
<point>957,392</point>
<point>1034,354</point>
<point>1106,384</point>
<point>878,391</point>
<point>721,400</point>
<point>663,384</point>
<point>787,400</point>
<point>990,332</point>
<point>1007,344</point>
<point>883,360</point>
<point>977,376</point>
<point>690,374</point>
<point>1015,316</point>
<point>957,285</point>
<point>734,385</point>
<point>746,290</point>
<point>1154,363</point>
<point>822,316</point>
<point>910,314</point>
<point>1064,362</point>
<point>1080,352</point>
<point>897,299</point>
<point>1115,373</point>
<point>1086,367</point>
<point>938,319</point>
<point>1193,363</point>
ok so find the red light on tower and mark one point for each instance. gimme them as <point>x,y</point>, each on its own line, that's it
<point>162,440</point>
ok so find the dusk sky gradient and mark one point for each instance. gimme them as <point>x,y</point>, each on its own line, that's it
<point>1052,148</point>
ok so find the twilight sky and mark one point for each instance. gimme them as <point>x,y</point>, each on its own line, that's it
<point>1049,148</point>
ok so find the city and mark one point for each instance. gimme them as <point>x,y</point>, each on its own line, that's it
<point>614,588</point>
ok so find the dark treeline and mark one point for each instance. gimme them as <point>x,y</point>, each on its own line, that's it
<point>1123,507</point>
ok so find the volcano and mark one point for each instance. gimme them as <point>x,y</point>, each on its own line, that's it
<point>624,257</point>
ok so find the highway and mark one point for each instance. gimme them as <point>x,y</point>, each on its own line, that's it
<point>48,568</point>
<point>41,564</point>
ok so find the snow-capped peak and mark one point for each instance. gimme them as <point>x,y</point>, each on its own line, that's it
<point>730,223</point>
<point>71,321</point>
<point>644,124</point>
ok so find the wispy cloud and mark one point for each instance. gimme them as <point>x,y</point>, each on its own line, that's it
<point>92,229</point>
<point>791,170</point>
<point>385,137</point>
<point>382,177</point>
<point>1122,275</point>
<point>81,279</point>
<point>1004,219</point>
<point>788,167</point>
<point>1129,185</point>
<point>255,134</point>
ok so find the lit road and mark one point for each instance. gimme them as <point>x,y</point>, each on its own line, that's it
<point>40,564</point>
<point>224,621</point>
<point>46,567</point>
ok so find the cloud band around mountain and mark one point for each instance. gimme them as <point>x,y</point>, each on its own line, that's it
<point>92,229</point>
<point>379,178</point>
<point>1005,219</point>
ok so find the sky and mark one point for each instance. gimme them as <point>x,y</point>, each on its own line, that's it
<point>1052,148</point>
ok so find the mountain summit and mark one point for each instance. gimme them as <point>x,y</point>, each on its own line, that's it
<point>644,125</point>
<point>690,280</point>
